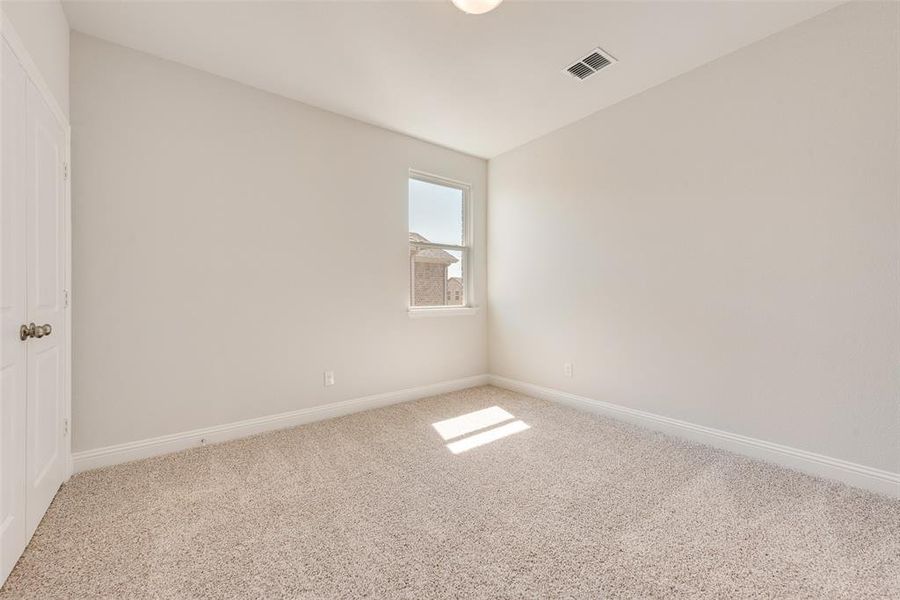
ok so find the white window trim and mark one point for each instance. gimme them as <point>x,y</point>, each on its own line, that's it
<point>466,250</point>
<point>420,312</point>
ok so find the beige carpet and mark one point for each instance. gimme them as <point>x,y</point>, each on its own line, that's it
<point>375,505</point>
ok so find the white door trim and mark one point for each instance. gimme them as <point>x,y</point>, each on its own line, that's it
<point>8,32</point>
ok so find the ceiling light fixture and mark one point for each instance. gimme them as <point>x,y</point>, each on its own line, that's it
<point>476,7</point>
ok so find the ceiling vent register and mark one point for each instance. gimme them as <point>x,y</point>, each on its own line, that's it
<point>596,60</point>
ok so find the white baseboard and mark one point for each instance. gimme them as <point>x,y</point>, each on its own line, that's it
<point>857,475</point>
<point>166,444</point>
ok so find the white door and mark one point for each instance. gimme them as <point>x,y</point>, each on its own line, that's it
<point>13,93</point>
<point>45,193</point>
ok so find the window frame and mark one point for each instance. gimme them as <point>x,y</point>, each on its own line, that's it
<point>465,250</point>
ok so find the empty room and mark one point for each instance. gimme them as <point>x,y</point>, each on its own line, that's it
<point>449,299</point>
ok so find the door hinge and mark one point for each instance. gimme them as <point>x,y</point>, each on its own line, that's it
<point>66,298</point>
<point>65,427</point>
<point>66,170</point>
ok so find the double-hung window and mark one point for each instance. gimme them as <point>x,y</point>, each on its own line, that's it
<point>439,241</point>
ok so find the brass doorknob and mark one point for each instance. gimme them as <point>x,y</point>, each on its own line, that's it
<point>35,331</point>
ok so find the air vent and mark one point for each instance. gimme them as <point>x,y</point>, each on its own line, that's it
<point>597,59</point>
<point>580,70</point>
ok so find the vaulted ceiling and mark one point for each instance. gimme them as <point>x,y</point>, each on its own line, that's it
<point>480,84</point>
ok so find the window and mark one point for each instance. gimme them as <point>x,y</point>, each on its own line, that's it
<point>438,241</point>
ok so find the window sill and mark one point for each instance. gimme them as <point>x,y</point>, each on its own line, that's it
<point>442,311</point>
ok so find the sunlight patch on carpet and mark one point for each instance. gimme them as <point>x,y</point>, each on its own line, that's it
<point>486,437</point>
<point>470,422</point>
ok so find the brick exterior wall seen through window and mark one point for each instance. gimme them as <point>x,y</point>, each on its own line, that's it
<point>430,281</point>
<point>428,272</point>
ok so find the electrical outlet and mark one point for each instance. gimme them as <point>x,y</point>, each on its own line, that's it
<point>329,378</point>
<point>567,369</point>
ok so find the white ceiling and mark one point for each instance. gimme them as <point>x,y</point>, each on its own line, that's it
<point>480,84</point>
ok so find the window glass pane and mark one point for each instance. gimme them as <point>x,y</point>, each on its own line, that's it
<point>435,212</point>
<point>436,277</point>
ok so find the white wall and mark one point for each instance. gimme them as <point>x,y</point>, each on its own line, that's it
<point>44,30</point>
<point>723,248</point>
<point>230,245</point>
